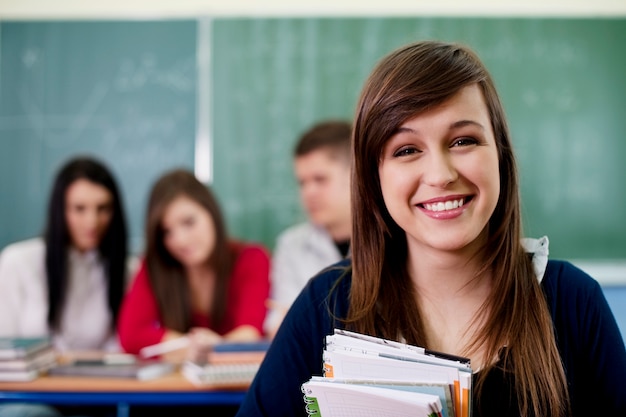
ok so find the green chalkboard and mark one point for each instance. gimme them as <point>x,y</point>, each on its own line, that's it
<point>562,81</point>
<point>127,91</point>
<point>124,91</point>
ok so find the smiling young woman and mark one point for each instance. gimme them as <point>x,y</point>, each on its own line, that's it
<point>438,258</point>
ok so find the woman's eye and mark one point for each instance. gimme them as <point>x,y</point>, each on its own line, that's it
<point>464,142</point>
<point>189,221</point>
<point>405,151</point>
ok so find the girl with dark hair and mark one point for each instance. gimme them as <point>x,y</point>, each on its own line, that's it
<point>194,280</point>
<point>70,283</point>
<point>438,258</point>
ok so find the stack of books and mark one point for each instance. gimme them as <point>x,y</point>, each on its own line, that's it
<point>24,359</point>
<point>227,365</point>
<point>365,375</point>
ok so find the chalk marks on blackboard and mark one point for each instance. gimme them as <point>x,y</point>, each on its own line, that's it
<point>30,57</point>
<point>143,72</point>
<point>560,98</point>
<point>105,107</point>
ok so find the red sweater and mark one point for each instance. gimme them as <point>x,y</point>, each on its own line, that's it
<point>140,319</point>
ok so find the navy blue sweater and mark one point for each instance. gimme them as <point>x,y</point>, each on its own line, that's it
<point>589,341</point>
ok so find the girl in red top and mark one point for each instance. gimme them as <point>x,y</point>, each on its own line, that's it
<point>194,280</point>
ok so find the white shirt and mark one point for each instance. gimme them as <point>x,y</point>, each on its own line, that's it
<point>301,252</point>
<point>85,321</point>
<point>539,249</point>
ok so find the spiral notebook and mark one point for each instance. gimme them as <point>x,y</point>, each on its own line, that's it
<point>220,375</point>
<point>374,377</point>
<point>342,399</point>
<point>228,365</point>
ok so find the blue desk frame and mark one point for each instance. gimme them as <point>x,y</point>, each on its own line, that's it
<point>123,400</point>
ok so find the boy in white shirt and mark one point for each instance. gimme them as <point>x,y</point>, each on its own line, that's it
<point>322,169</point>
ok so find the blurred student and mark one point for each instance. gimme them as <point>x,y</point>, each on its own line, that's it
<point>322,169</point>
<point>194,279</point>
<point>69,283</point>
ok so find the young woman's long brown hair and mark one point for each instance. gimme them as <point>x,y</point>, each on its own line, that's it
<point>167,275</point>
<point>411,80</point>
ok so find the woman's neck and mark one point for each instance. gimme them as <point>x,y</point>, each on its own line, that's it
<point>201,281</point>
<point>451,294</point>
<point>444,275</point>
<point>198,273</point>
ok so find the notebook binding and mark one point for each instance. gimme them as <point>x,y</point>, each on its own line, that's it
<point>310,409</point>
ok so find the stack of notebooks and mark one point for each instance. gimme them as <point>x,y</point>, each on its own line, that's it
<point>24,359</point>
<point>374,377</point>
<point>227,365</point>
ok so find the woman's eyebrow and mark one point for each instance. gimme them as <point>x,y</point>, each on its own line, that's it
<point>463,123</point>
<point>454,125</point>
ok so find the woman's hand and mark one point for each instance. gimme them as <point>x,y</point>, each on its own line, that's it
<point>201,341</point>
<point>174,356</point>
<point>242,334</point>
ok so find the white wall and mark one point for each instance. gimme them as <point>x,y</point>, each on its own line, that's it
<point>89,9</point>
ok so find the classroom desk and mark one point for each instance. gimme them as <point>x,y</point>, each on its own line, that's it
<point>172,389</point>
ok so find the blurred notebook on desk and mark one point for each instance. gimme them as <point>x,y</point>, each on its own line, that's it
<point>228,364</point>
<point>24,359</point>
<point>140,369</point>
<point>220,375</point>
<point>251,352</point>
<point>22,347</point>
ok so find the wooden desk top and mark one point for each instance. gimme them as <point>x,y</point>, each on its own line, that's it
<point>175,382</point>
<point>171,383</point>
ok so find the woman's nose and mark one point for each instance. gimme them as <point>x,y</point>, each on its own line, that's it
<point>439,170</point>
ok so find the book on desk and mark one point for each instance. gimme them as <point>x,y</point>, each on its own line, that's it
<point>227,364</point>
<point>230,365</point>
<point>140,369</point>
<point>24,359</point>
<point>22,347</point>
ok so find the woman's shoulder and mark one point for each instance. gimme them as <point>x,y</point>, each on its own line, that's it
<point>327,291</point>
<point>336,276</point>
<point>568,286</point>
<point>342,267</point>
<point>24,259</point>
<point>29,250</point>
<point>243,249</point>
<point>560,273</point>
